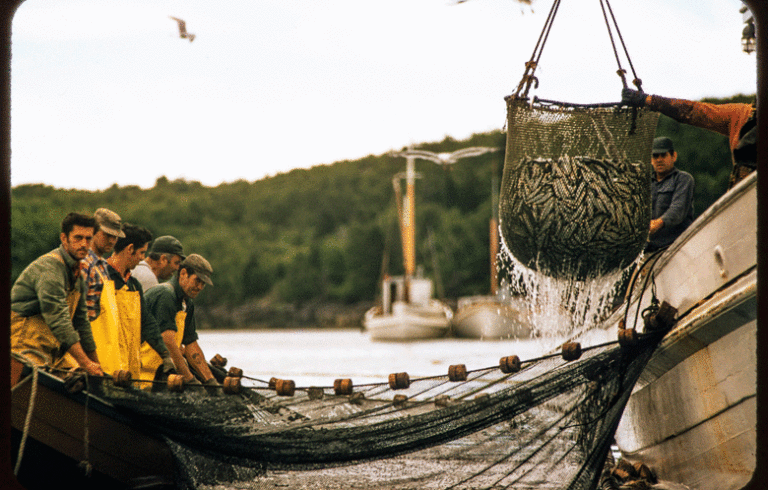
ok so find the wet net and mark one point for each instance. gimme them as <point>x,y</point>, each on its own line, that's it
<point>544,423</point>
<point>575,193</point>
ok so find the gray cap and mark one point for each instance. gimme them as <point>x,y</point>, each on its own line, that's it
<point>662,144</point>
<point>109,222</point>
<point>202,268</point>
<point>167,245</point>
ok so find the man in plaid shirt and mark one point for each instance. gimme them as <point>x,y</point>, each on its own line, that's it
<point>95,263</point>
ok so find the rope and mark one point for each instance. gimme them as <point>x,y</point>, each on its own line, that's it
<point>620,71</point>
<point>530,66</point>
<point>628,297</point>
<point>636,81</point>
<point>84,464</point>
<point>28,420</point>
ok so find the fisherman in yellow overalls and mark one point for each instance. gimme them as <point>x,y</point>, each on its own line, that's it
<point>108,230</point>
<point>49,322</point>
<point>124,320</point>
<point>171,305</point>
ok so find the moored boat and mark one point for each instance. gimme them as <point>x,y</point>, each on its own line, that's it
<point>490,317</point>
<point>496,315</point>
<point>692,414</point>
<point>421,317</point>
<point>407,310</point>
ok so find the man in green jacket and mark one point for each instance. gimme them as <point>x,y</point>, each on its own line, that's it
<point>171,305</point>
<point>49,318</point>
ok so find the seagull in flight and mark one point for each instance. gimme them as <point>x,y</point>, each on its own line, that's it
<point>183,30</point>
<point>445,158</point>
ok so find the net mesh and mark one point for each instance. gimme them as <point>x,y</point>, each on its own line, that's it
<point>548,425</point>
<point>575,193</point>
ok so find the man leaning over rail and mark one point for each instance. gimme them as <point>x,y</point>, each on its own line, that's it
<point>171,304</point>
<point>671,196</point>
<point>49,318</point>
<point>736,121</point>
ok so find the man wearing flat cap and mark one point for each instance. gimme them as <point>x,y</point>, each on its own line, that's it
<point>171,304</point>
<point>671,196</point>
<point>163,259</point>
<point>109,229</point>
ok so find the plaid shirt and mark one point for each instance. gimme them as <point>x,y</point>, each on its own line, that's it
<point>95,272</point>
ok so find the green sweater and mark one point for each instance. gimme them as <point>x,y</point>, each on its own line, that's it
<point>167,299</point>
<point>42,289</point>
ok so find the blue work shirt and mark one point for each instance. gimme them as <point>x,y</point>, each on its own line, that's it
<point>672,201</point>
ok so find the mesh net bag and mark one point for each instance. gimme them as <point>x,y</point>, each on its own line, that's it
<point>575,193</point>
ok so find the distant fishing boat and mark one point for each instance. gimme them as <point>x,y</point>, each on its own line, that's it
<point>407,310</point>
<point>497,315</point>
<point>692,413</point>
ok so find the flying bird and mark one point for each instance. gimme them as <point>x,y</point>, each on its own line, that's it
<point>183,30</point>
<point>445,158</point>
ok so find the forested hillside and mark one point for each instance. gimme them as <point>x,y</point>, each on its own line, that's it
<point>324,235</point>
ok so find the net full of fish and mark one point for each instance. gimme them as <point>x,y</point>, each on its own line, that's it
<point>575,196</point>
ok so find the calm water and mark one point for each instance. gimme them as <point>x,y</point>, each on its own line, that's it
<point>317,357</point>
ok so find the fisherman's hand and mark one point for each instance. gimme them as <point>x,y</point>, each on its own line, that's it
<point>168,366</point>
<point>632,98</point>
<point>93,368</point>
<point>211,386</point>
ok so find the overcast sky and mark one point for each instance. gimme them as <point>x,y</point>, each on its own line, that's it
<point>107,92</point>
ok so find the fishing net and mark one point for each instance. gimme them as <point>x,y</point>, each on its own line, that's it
<point>545,423</point>
<point>575,197</point>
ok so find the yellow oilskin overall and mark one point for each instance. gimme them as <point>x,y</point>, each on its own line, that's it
<point>150,360</point>
<point>31,337</point>
<point>117,329</point>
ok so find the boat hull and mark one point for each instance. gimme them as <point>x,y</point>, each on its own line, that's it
<point>488,317</point>
<point>409,321</point>
<point>692,414</point>
<point>117,450</point>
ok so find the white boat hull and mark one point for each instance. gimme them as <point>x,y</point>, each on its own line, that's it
<point>409,321</point>
<point>489,317</point>
<point>692,414</point>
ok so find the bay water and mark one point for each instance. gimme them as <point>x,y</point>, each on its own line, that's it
<point>316,357</point>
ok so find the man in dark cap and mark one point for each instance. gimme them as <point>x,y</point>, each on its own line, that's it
<point>171,305</point>
<point>671,196</point>
<point>109,229</point>
<point>163,259</point>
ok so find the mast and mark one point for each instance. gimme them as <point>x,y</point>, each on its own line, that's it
<point>409,220</point>
<point>494,232</point>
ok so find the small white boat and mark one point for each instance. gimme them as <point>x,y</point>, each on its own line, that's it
<point>419,318</point>
<point>407,310</point>
<point>494,316</point>
<point>692,414</point>
<point>490,318</point>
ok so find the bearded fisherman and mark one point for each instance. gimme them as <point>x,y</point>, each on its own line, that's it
<point>124,319</point>
<point>49,317</point>
<point>171,305</point>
